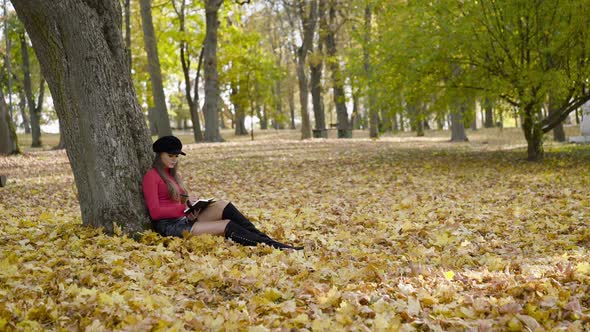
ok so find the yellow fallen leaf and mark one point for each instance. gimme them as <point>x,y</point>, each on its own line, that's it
<point>301,320</point>
<point>258,328</point>
<point>449,275</point>
<point>583,268</point>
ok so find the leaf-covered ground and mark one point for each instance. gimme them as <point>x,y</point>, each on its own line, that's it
<point>401,234</point>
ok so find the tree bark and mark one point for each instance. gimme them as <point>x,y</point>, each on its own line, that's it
<point>23,111</point>
<point>316,93</point>
<point>371,100</point>
<point>344,129</point>
<point>222,109</point>
<point>193,101</point>
<point>8,138</point>
<point>303,99</point>
<point>7,61</point>
<point>103,127</point>
<point>420,129</point>
<point>240,112</point>
<point>457,123</point>
<point>531,125</point>
<point>488,106</point>
<point>222,124</point>
<point>458,114</point>
<point>417,123</point>
<point>261,114</point>
<point>308,16</point>
<point>356,117</point>
<point>34,110</point>
<point>558,131</point>
<point>128,33</point>
<point>316,67</point>
<point>211,107</point>
<point>151,47</point>
<point>279,116</point>
<point>291,107</point>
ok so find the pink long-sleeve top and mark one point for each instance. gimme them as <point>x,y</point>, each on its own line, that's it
<point>158,202</point>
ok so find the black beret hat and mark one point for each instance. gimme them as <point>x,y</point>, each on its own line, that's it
<point>169,144</point>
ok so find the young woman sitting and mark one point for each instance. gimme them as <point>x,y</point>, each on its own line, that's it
<point>166,199</point>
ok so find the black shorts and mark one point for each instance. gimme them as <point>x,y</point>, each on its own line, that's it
<point>172,227</point>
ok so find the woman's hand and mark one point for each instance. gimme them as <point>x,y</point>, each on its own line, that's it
<point>193,215</point>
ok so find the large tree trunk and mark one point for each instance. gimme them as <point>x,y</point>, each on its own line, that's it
<point>458,114</point>
<point>457,124</point>
<point>531,125</point>
<point>291,107</point>
<point>193,101</point>
<point>365,116</point>
<point>316,94</point>
<point>151,47</point>
<point>211,107</point>
<point>8,139</point>
<point>7,60</point>
<point>128,33</point>
<point>308,16</point>
<point>222,124</point>
<point>303,100</point>
<point>23,112</point>
<point>356,117</point>
<point>103,127</point>
<point>417,123</point>
<point>371,100</point>
<point>344,129</point>
<point>222,110</point>
<point>558,131</point>
<point>316,67</point>
<point>277,123</point>
<point>261,114</point>
<point>240,112</point>
<point>488,106</point>
<point>34,111</point>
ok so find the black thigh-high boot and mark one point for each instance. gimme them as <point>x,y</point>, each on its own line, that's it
<point>241,235</point>
<point>232,213</point>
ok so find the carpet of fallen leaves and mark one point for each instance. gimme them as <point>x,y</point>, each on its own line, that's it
<point>400,233</point>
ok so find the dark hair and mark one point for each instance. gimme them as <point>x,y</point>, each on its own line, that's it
<point>159,166</point>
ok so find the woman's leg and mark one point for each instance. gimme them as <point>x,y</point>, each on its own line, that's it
<point>231,230</point>
<point>214,211</point>
<point>232,213</point>
<point>222,212</point>
<point>241,235</point>
<point>226,210</point>
<point>216,227</point>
